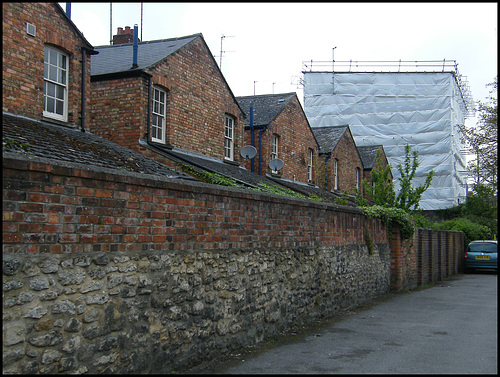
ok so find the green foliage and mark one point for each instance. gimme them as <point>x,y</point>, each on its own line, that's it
<point>209,177</point>
<point>472,230</point>
<point>481,202</point>
<point>482,138</point>
<point>408,195</point>
<point>422,221</point>
<point>381,191</point>
<point>393,217</point>
<point>359,200</point>
<point>274,189</point>
<point>342,200</point>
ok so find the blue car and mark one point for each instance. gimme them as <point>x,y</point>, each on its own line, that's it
<point>481,254</point>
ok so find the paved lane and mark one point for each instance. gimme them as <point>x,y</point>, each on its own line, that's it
<point>449,328</point>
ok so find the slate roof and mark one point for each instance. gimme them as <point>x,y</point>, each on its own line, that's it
<point>241,175</point>
<point>328,137</point>
<point>119,58</point>
<point>266,107</point>
<point>368,154</point>
<point>33,138</point>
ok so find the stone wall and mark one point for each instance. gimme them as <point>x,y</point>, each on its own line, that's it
<point>116,272</point>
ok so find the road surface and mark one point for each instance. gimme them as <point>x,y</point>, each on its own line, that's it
<point>448,328</point>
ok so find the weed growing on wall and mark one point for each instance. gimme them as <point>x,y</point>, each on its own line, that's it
<point>392,216</point>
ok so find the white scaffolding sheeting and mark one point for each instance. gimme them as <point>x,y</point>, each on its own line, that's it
<point>422,109</point>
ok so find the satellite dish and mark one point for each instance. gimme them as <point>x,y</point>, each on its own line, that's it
<point>276,164</point>
<point>248,151</point>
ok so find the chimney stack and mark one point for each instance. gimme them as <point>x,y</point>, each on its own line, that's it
<point>123,36</point>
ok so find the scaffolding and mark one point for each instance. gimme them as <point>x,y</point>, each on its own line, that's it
<point>445,65</point>
<point>394,103</point>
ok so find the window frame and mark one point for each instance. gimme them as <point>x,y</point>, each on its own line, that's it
<point>229,128</point>
<point>358,178</point>
<point>335,174</point>
<point>310,160</point>
<point>159,115</point>
<point>48,69</point>
<point>274,149</point>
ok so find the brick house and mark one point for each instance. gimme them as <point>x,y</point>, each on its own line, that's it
<point>368,155</point>
<point>342,169</point>
<point>46,64</point>
<point>280,130</point>
<point>168,93</point>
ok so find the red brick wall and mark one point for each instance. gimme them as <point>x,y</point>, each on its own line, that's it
<point>348,160</point>
<point>118,110</point>
<point>23,58</point>
<point>296,138</point>
<point>197,101</point>
<point>430,256</point>
<point>385,162</point>
<point>55,209</point>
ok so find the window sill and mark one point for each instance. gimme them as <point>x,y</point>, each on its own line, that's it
<point>230,162</point>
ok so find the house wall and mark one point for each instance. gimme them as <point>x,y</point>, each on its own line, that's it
<point>118,110</point>
<point>296,138</point>
<point>348,160</point>
<point>197,101</point>
<point>367,174</point>
<point>23,54</point>
<point>117,272</point>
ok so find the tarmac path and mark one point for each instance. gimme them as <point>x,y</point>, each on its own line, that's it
<point>448,328</point>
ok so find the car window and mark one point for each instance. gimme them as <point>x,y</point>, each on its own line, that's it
<point>485,247</point>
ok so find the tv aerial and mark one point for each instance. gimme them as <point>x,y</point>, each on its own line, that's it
<point>276,164</point>
<point>248,152</point>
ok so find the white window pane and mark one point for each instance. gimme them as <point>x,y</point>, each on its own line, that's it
<point>60,92</point>
<point>60,107</point>
<point>50,104</point>
<point>52,73</point>
<point>62,77</point>
<point>62,61</point>
<point>51,89</point>
<point>52,57</point>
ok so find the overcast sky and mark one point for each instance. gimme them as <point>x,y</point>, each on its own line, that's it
<point>267,42</point>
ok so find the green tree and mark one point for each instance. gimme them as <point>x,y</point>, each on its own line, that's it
<point>408,195</point>
<point>381,191</point>
<point>483,141</point>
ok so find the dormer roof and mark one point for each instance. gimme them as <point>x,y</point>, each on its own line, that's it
<point>328,137</point>
<point>266,107</point>
<point>368,154</point>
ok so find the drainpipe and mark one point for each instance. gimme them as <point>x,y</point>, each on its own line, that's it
<point>82,116</point>
<point>135,47</point>
<point>260,150</point>
<point>68,10</point>
<point>327,156</point>
<point>252,138</point>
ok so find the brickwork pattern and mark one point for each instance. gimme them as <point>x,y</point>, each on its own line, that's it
<point>23,56</point>
<point>430,256</point>
<point>198,100</point>
<point>348,160</point>
<point>296,138</point>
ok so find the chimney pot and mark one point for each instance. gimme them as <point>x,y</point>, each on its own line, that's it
<point>120,30</point>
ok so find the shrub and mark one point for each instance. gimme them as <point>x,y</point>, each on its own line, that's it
<point>472,230</point>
